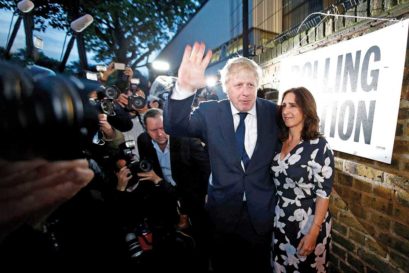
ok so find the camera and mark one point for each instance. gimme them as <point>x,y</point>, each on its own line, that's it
<point>135,166</point>
<point>142,166</point>
<point>119,66</point>
<point>101,68</point>
<point>134,247</point>
<point>104,101</point>
<point>47,116</point>
<point>139,240</point>
<point>135,102</point>
<point>111,92</point>
<point>133,86</point>
<point>125,152</point>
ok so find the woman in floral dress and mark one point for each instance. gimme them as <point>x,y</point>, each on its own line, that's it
<point>303,173</point>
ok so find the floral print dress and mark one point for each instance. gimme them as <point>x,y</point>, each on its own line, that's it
<point>306,172</point>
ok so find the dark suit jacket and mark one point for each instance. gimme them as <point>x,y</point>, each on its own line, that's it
<point>212,122</point>
<point>190,168</point>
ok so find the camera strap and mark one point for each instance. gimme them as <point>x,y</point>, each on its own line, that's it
<point>98,138</point>
<point>141,122</point>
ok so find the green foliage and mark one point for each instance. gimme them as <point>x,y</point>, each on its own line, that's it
<point>125,31</point>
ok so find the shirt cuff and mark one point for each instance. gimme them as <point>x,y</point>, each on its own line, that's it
<point>179,94</point>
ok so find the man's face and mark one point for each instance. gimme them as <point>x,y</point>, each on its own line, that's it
<point>242,89</point>
<point>154,128</point>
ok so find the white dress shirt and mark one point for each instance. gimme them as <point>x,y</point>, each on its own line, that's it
<point>250,136</point>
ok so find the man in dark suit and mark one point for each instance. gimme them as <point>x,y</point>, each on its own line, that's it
<point>181,168</point>
<point>241,137</point>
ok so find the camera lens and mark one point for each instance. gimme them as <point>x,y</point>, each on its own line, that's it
<point>111,92</point>
<point>134,247</point>
<point>145,166</point>
<point>136,102</point>
<point>140,166</point>
<point>107,107</point>
<point>49,117</point>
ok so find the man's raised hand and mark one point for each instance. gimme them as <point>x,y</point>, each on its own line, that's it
<point>191,74</point>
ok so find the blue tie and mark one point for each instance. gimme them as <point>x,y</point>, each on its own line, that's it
<point>240,132</point>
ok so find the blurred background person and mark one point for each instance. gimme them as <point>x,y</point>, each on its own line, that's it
<point>183,166</point>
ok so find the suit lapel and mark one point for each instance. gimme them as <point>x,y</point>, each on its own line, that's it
<point>174,156</point>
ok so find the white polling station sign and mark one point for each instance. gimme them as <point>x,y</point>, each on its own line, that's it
<point>357,86</point>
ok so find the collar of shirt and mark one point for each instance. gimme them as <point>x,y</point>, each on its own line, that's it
<point>250,138</point>
<point>252,111</point>
<point>158,149</point>
<point>251,117</point>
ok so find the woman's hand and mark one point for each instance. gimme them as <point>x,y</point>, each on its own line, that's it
<point>308,242</point>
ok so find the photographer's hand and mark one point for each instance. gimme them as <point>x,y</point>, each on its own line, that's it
<point>150,176</point>
<point>124,175</point>
<point>105,127</point>
<point>110,69</point>
<point>31,189</point>
<point>191,74</point>
<point>122,100</point>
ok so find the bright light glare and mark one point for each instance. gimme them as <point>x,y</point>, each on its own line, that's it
<point>160,65</point>
<point>211,81</point>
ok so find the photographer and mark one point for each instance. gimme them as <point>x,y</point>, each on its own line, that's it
<point>136,114</point>
<point>104,100</point>
<point>144,208</point>
<point>131,99</point>
<point>183,166</point>
<point>55,207</point>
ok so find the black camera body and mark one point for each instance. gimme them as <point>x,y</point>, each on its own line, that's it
<point>45,116</point>
<point>135,166</point>
<point>125,153</point>
<point>141,166</point>
<point>104,103</point>
<point>135,102</point>
<point>111,92</point>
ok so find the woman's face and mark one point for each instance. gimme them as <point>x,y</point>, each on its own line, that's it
<point>292,114</point>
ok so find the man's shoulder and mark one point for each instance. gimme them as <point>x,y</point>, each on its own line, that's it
<point>190,141</point>
<point>266,105</point>
<point>266,102</point>
<point>213,104</point>
<point>144,137</point>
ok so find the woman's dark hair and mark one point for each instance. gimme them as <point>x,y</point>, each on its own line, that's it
<point>306,102</point>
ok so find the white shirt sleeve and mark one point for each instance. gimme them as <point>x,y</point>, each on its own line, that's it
<point>179,94</point>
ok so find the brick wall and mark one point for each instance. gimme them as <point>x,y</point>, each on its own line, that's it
<point>370,200</point>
